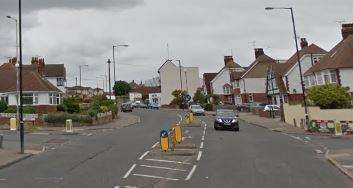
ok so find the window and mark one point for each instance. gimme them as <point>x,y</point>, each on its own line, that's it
<point>30,98</point>
<point>315,60</point>
<point>226,89</point>
<point>251,97</point>
<point>312,80</point>
<point>319,78</point>
<point>306,81</point>
<point>54,98</point>
<point>5,98</point>
<point>60,81</point>
<point>333,76</point>
<point>326,78</point>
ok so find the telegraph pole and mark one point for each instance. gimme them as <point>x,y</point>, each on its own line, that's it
<point>110,86</point>
<point>20,77</point>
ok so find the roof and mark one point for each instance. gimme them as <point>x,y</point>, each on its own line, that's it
<point>32,81</point>
<point>146,90</point>
<point>54,70</point>
<point>341,56</point>
<point>234,75</point>
<point>78,88</point>
<point>311,49</point>
<point>259,67</point>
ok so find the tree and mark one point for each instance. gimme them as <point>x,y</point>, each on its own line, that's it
<point>200,97</point>
<point>177,94</point>
<point>330,96</point>
<point>71,105</point>
<point>121,88</point>
<point>3,106</point>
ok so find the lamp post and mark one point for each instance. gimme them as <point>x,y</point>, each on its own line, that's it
<point>298,58</point>
<point>80,69</point>
<point>116,46</point>
<point>20,76</point>
<point>17,68</point>
<point>181,81</point>
<point>110,87</point>
<point>186,80</point>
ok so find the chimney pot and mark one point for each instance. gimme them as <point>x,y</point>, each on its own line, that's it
<point>228,60</point>
<point>259,52</point>
<point>303,43</point>
<point>347,29</point>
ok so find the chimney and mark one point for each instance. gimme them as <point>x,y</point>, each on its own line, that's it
<point>347,29</point>
<point>303,43</point>
<point>228,60</point>
<point>259,52</point>
<point>40,66</point>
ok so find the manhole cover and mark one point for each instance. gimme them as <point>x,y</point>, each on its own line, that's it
<point>56,141</point>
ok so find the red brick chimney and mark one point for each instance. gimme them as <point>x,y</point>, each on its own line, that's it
<point>303,43</point>
<point>39,64</point>
<point>347,29</point>
<point>228,60</point>
<point>259,52</point>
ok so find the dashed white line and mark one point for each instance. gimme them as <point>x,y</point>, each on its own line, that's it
<point>167,161</point>
<point>154,145</point>
<point>129,171</point>
<point>156,177</point>
<point>144,155</point>
<point>201,145</point>
<point>199,155</point>
<point>347,166</point>
<point>203,138</point>
<point>191,173</point>
<point>162,167</point>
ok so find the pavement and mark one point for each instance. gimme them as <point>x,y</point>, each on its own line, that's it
<point>131,157</point>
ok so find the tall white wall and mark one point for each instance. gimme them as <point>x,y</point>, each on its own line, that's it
<point>253,85</point>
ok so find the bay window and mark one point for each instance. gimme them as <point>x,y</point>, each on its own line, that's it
<point>29,98</point>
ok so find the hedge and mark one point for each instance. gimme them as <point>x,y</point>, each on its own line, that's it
<point>61,117</point>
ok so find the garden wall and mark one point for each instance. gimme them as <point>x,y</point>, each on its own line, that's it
<point>295,114</point>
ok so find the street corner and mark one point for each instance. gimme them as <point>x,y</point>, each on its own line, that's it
<point>10,157</point>
<point>342,159</point>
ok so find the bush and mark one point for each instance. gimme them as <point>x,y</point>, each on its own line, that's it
<point>26,110</point>
<point>178,101</point>
<point>3,106</point>
<point>330,96</point>
<point>11,109</point>
<point>71,105</point>
<point>61,117</point>
<point>208,107</point>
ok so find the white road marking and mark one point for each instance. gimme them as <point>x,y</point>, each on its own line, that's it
<point>154,145</point>
<point>156,177</point>
<point>199,155</point>
<point>201,145</point>
<point>162,167</point>
<point>167,161</point>
<point>191,173</point>
<point>129,171</point>
<point>347,166</point>
<point>144,155</point>
<point>203,138</point>
<point>181,118</point>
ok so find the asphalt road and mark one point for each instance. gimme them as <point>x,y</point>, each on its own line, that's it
<point>253,157</point>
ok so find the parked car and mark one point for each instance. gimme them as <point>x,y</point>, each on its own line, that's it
<point>271,107</point>
<point>153,106</point>
<point>226,119</point>
<point>197,110</point>
<point>126,107</point>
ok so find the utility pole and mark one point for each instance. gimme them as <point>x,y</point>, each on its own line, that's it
<point>110,87</point>
<point>114,64</point>
<point>20,75</point>
<point>186,81</point>
<point>181,81</point>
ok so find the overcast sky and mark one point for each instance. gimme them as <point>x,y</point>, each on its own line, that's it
<point>199,32</point>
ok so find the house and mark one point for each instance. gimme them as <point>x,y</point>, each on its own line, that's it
<point>37,91</point>
<point>177,78</point>
<point>253,81</point>
<point>207,77</point>
<point>153,82</point>
<point>337,65</point>
<point>235,78</point>
<point>54,73</point>
<point>135,96</point>
<point>221,84</point>
<point>283,79</point>
<point>80,91</point>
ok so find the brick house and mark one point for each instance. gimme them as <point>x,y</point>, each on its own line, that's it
<point>207,77</point>
<point>221,84</point>
<point>337,65</point>
<point>37,91</point>
<point>253,81</point>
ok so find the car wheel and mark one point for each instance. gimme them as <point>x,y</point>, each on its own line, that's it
<point>236,129</point>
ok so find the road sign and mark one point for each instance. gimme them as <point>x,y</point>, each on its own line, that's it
<point>164,140</point>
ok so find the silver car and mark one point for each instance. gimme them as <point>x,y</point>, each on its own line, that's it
<point>197,110</point>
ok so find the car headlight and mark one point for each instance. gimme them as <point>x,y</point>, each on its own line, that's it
<point>219,120</point>
<point>235,120</point>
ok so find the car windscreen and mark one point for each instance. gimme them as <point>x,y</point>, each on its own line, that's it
<point>196,107</point>
<point>227,113</point>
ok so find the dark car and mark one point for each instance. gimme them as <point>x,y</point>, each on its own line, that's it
<point>153,106</point>
<point>126,107</point>
<point>227,120</point>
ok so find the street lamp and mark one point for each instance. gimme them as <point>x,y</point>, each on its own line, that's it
<point>80,69</point>
<point>298,58</point>
<point>16,22</point>
<point>186,80</point>
<point>181,81</point>
<point>20,75</point>
<point>116,46</point>
<point>110,86</point>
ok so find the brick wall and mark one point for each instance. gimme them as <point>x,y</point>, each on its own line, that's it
<point>44,109</point>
